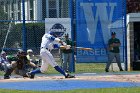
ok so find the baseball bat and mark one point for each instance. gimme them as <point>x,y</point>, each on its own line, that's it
<point>81,48</point>
<point>84,48</point>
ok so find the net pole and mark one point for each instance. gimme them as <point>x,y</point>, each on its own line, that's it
<point>71,15</point>
<point>5,40</point>
<point>24,33</point>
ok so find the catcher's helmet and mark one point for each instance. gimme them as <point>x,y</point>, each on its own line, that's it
<point>21,53</point>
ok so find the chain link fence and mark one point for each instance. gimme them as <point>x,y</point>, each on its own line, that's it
<point>11,26</point>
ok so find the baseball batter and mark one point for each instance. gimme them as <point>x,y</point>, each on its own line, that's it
<point>49,42</point>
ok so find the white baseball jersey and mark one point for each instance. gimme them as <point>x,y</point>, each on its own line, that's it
<point>49,42</point>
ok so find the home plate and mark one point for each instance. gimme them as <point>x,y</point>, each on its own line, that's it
<point>89,73</point>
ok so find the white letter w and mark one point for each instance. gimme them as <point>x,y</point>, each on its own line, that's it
<point>100,15</point>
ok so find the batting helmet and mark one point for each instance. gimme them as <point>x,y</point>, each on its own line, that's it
<point>52,33</point>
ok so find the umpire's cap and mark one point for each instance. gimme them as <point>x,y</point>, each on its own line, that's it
<point>29,51</point>
<point>67,35</point>
<point>113,33</point>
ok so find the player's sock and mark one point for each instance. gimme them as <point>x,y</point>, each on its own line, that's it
<point>35,71</point>
<point>60,70</point>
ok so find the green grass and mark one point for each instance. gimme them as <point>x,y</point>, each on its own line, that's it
<point>89,67</point>
<point>102,90</point>
<point>82,68</point>
<point>1,73</point>
<point>79,68</point>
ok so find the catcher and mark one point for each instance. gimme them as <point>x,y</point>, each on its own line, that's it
<point>20,66</point>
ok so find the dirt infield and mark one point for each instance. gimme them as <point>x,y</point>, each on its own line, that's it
<point>104,77</point>
<point>116,78</point>
<point>82,81</point>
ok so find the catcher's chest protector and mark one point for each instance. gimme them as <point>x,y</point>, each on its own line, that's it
<point>21,63</point>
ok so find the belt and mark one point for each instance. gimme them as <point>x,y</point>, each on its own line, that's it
<point>44,47</point>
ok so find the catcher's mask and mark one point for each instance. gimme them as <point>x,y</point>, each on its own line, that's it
<point>21,53</point>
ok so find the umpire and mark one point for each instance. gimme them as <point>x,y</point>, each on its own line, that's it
<point>5,65</point>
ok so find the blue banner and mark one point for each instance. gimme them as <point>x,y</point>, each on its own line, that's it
<point>95,20</point>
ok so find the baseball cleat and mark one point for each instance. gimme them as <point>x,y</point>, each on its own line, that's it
<point>121,69</point>
<point>106,70</point>
<point>6,77</point>
<point>31,76</point>
<point>69,76</point>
